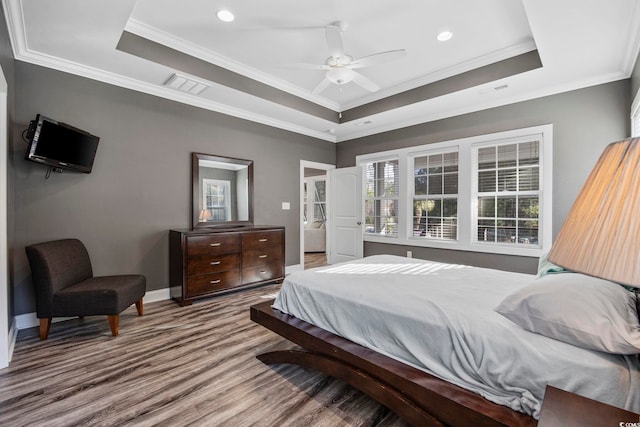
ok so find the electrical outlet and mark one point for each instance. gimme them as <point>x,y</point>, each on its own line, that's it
<point>409,254</point>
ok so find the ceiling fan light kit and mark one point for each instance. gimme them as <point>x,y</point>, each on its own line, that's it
<point>340,75</point>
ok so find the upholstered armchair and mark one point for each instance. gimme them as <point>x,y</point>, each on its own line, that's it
<point>65,286</point>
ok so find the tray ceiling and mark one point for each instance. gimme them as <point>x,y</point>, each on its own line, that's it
<point>501,52</point>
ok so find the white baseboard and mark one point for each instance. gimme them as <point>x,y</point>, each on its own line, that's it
<point>30,320</point>
<point>292,268</point>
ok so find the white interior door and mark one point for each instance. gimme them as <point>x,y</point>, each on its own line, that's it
<point>345,215</point>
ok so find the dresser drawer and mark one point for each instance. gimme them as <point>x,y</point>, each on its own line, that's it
<point>213,262</point>
<point>256,257</point>
<point>261,273</point>
<point>215,243</point>
<point>262,239</point>
<point>205,283</point>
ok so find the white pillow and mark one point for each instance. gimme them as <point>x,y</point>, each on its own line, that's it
<point>577,309</point>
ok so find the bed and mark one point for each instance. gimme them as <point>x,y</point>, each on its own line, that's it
<point>447,344</point>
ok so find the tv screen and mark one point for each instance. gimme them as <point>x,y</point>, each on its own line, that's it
<point>59,145</point>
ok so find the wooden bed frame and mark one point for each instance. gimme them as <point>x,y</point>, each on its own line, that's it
<point>415,396</point>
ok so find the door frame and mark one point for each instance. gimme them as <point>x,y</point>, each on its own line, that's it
<point>6,340</point>
<point>313,165</point>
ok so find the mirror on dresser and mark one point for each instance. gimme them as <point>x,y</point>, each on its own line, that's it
<point>222,191</point>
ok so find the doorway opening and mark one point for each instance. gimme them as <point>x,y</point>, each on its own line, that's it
<point>314,213</point>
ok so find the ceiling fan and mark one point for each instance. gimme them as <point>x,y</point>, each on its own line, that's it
<point>341,66</point>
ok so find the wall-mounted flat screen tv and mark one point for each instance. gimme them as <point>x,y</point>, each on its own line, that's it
<point>59,145</point>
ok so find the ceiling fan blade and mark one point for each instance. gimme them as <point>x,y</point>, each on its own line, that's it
<point>334,41</point>
<point>301,65</point>
<point>378,58</point>
<point>364,82</point>
<point>321,86</point>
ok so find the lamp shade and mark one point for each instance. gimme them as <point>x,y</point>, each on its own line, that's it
<point>601,235</point>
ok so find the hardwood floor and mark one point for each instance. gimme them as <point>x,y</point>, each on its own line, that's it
<point>314,259</point>
<point>175,366</point>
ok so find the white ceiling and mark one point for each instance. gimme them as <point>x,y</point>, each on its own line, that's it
<point>580,43</point>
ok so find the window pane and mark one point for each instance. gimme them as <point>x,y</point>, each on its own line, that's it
<point>420,165</point>
<point>435,217</point>
<point>435,163</point>
<point>528,232</point>
<point>507,155</point>
<point>320,191</point>
<point>435,184</point>
<point>381,198</point>
<point>487,207</point>
<point>450,207</point>
<point>487,181</point>
<point>451,183</point>
<point>507,179</point>
<point>529,179</point>
<point>529,153</point>
<point>506,207</point>
<point>506,231</point>
<point>528,207</point>
<point>450,161</point>
<point>486,230</point>
<point>420,186</point>
<point>434,208</point>
<point>487,158</point>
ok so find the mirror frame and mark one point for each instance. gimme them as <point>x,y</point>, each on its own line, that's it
<point>196,191</point>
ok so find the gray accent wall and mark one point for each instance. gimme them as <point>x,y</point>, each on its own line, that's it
<point>140,186</point>
<point>584,122</point>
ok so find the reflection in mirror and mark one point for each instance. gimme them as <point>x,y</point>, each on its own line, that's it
<point>222,193</point>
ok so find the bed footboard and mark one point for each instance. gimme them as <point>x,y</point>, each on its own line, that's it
<point>417,397</point>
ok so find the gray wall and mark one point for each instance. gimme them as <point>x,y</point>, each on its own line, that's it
<point>584,122</point>
<point>140,184</point>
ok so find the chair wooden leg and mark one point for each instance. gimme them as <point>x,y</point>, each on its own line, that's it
<point>139,307</point>
<point>113,324</point>
<point>45,325</point>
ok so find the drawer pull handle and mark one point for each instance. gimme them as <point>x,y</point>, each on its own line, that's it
<point>216,244</point>
<point>263,271</point>
<point>213,282</point>
<point>262,256</point>
<point>263,240</point>
<point>215,263</point>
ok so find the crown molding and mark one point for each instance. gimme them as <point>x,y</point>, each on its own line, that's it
<point>633,49</point>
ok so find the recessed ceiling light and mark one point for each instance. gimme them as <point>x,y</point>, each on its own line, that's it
<point>225,15</point>
<point>444,36</point>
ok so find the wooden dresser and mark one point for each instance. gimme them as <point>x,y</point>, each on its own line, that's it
<point>209,261</point>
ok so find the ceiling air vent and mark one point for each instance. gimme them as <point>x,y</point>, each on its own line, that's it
<point>186,84</point>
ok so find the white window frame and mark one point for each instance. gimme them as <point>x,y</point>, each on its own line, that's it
<point>383,237</point>
<point>411,188</point>
<point>467,208</point>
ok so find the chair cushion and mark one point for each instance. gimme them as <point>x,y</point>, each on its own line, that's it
<point>105,295</point>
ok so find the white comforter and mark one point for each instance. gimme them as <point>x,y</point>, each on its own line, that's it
<point>439,318</point>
